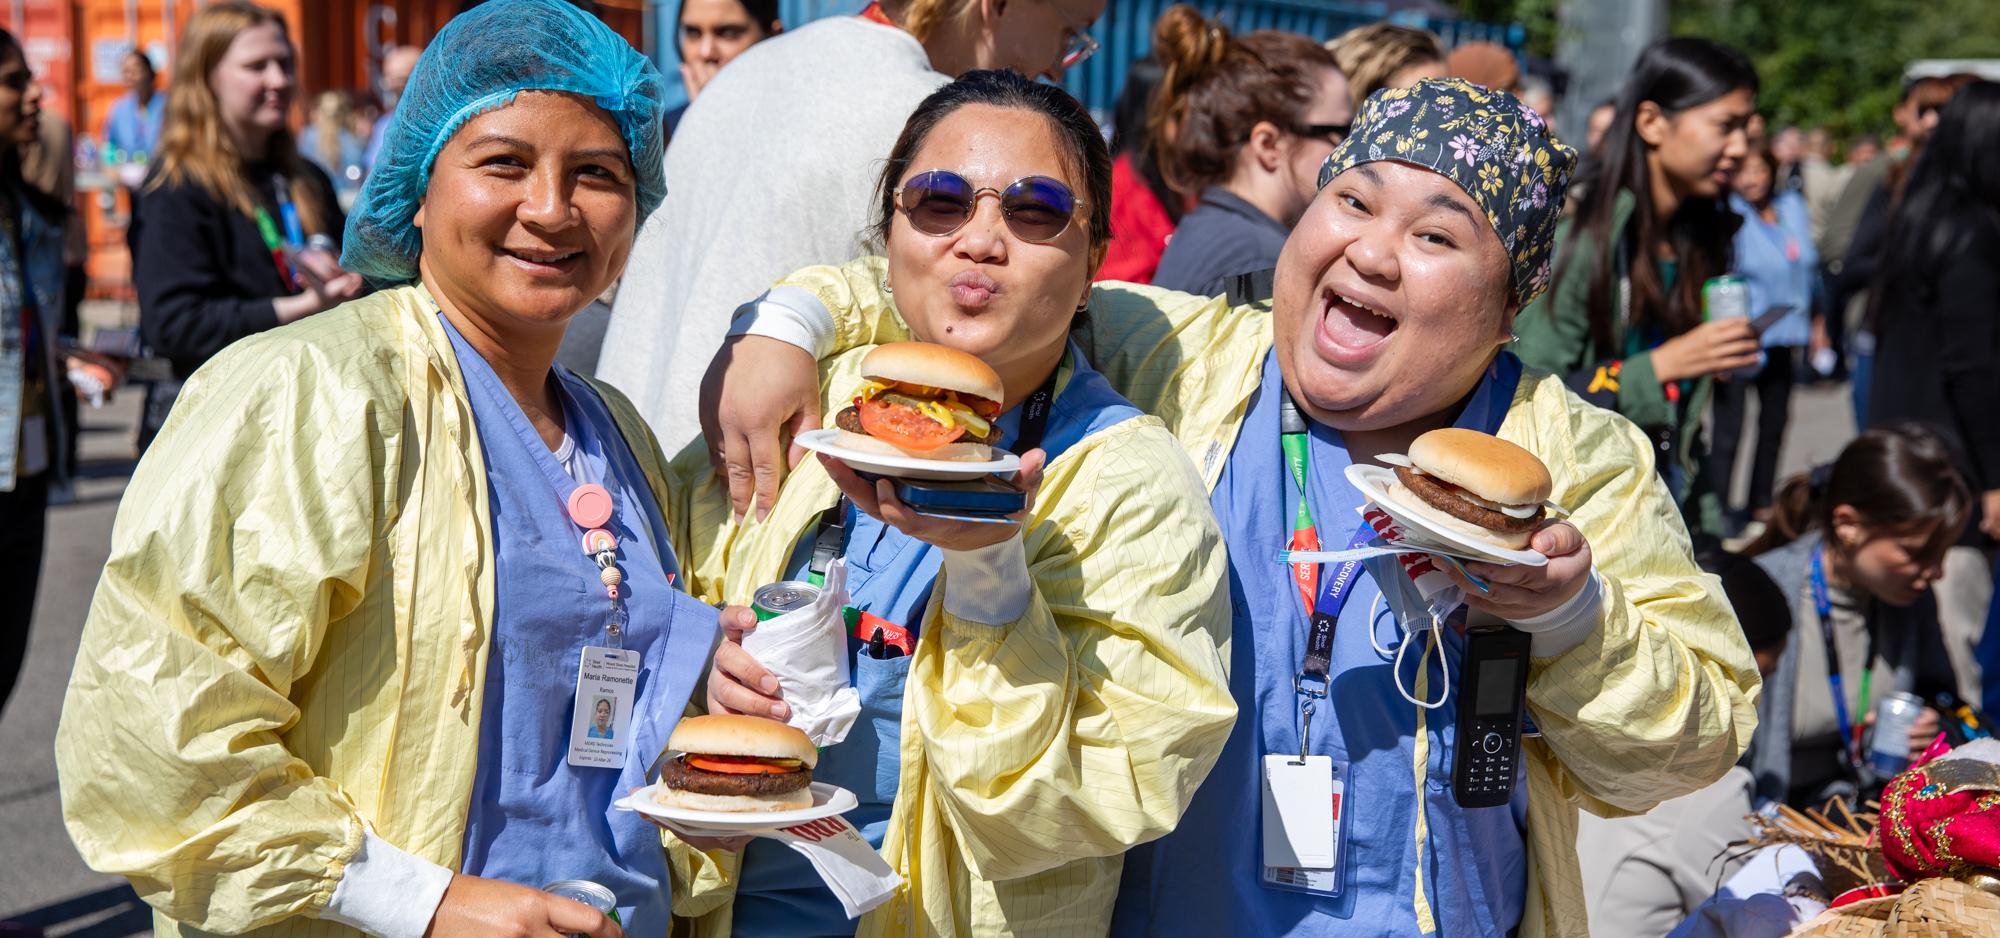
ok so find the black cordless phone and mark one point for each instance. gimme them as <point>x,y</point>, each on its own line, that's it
<point>1491,694</point>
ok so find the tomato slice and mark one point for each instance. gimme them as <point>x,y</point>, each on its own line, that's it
<point>905,427</point>
<point>743,765</point>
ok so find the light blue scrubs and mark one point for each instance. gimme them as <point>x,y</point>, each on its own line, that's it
<point>1205,877</point>
<point>890,575</point>
<point>534,818</point>
<point>1779,264</point>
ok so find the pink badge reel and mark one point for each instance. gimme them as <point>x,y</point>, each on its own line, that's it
<point>590,506</point>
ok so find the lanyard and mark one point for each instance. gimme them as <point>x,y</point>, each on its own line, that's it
<point>1323,610</point>
<point>586,501</point>
<point>1823,605</point>
<point>831,539</point>
<point>293,236</point>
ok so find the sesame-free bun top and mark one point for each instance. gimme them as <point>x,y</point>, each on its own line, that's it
<point>725,734</point>
<point>934,366</point>
<point>1483,464</point>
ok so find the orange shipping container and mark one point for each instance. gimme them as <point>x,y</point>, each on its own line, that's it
<point>341,44</point>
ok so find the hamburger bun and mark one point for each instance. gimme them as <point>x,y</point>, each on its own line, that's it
<point>736,735</point>
<point>1483,464</point>
<point>935,366</point>
<point>950,452</point>
<point>732,804</point>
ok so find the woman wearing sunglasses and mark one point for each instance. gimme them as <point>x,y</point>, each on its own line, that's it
<point>1243,123</point>
<point>1390,317</point>
<point>1064,692</point>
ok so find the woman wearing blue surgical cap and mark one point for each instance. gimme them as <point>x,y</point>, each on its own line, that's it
<point>1389,318</point>
<point>369,585</point>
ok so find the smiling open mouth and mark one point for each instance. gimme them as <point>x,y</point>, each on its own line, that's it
<point>542,258</point>
<point>1352,324</point>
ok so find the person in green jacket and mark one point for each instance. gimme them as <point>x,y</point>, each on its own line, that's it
<point>1623,322</point>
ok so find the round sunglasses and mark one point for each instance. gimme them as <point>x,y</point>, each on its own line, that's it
<point>938,202</point>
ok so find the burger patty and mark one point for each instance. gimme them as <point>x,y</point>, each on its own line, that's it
<point>1444,497</point>
<point>678,774</point>
<point>849,419</point>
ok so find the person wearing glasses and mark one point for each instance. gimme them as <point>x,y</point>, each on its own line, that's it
<point>1064,691</point>
<point>1243,123</point>
<point>772,170</point>
<point>1389,318</point>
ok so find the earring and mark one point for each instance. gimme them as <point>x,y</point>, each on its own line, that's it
<point>886,288</point>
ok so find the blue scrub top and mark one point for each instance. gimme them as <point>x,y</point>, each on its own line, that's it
<point>1205,878</point>
<point>534,818</point>
<point>1779,264</point>
<point>890,575</point>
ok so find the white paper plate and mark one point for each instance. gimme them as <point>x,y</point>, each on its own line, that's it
<point>828,800</point>
<point>906,467</point>
<point>1374,483</point>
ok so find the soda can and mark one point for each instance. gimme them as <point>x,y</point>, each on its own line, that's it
<point>1889,747</point>
<point>775,599</point>
<point>588,893</point>
<point>1723,297</point>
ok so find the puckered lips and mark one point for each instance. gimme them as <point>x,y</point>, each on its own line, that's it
<point>1353,329</point>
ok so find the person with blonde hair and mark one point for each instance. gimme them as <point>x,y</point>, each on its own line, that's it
<point>236,232</point>
<point>1385,55</point>
<point>329,142</point>
<point>774,166</point>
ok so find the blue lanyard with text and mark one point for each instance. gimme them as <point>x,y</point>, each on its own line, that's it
<point>1315,671</point>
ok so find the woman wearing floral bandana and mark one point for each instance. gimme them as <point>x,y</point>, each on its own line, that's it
<point>1394,300</point>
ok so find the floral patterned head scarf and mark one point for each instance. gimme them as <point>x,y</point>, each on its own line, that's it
<point>1496,148</point>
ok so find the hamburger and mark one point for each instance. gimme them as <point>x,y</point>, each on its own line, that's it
<point>923,400</point>
<point>735,763</point>
<point>1474,484</point>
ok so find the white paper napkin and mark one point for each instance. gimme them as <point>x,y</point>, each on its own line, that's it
<point>807,650</point>
<point>855,873</point>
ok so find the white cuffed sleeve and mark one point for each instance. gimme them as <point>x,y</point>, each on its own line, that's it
<point>989,585</point>
<point>387,891</point>
<point>788,314</point>
<point>1566,626</point>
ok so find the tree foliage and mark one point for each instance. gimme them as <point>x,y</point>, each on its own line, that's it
<point>1839,63</point>
<point>1831,63</point>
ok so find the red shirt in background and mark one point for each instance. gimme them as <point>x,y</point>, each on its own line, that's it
<point>1140,227</point>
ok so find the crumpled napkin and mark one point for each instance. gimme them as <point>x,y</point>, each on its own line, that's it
<point>851,869</point>
<point>807,650</point>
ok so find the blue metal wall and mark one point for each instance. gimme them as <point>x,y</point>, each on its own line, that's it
<point>1126,29</point>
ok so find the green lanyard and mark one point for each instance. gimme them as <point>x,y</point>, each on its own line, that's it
<point>1305,534</point>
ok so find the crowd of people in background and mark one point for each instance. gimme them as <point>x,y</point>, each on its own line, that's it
<point>808,221</point>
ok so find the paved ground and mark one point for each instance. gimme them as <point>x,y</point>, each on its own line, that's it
<point>42,882</point>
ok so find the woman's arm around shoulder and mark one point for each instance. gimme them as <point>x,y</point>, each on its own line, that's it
<point>1658,701</point>
<point>1088,718</point>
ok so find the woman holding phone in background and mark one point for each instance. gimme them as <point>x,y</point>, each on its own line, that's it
<point>1776,258</point>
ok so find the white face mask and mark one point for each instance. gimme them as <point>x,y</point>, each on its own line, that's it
<point>1420,598</point>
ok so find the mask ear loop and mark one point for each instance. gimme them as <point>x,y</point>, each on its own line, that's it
<point>1432,642</point>
<point>1374,607</point>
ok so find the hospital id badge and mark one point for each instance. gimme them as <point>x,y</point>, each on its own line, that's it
<point>600,728</point>
<point>1303,839</point>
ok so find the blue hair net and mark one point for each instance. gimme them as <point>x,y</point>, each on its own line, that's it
<point>479,62</point>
